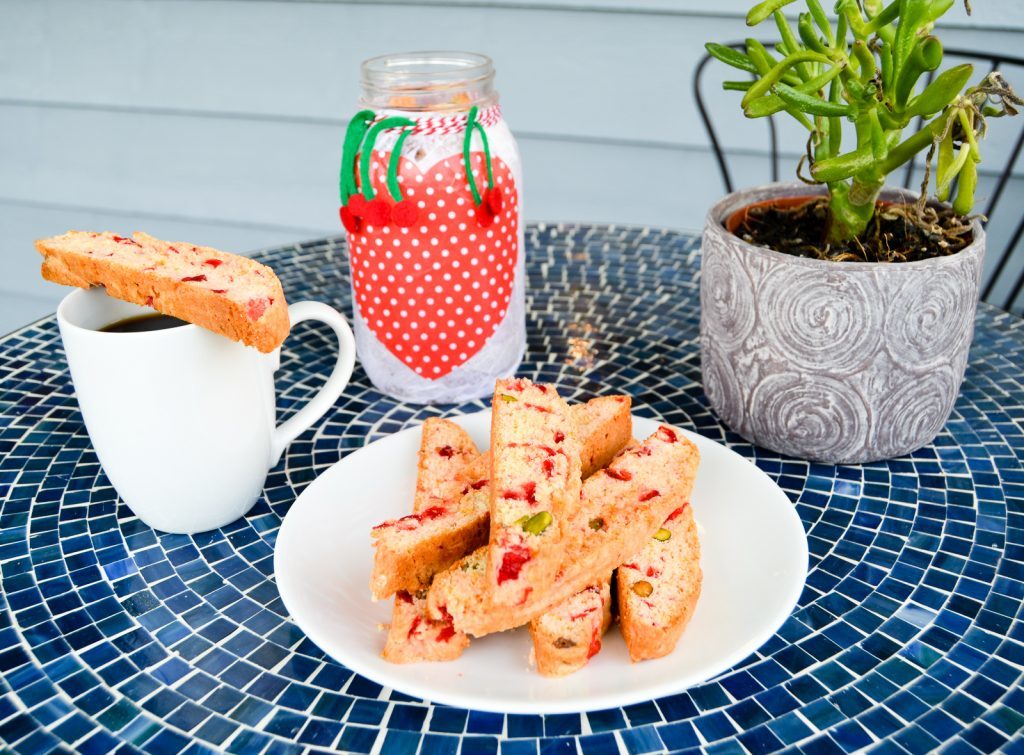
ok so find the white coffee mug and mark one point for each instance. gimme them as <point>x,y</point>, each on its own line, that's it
<point>182,419</point>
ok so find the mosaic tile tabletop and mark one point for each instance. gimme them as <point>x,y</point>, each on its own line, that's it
<point>908,637</point>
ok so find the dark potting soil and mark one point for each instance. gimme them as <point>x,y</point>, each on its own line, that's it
<point>897,233</point>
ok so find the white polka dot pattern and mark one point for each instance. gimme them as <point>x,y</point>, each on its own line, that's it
<point>434,293</point>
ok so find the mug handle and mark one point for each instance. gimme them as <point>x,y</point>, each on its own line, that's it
<point>317,406</point>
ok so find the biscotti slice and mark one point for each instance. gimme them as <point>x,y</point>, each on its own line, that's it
<point>659,587</point>
<point>535,480</point>
<point>409,551</point>
<point>228,294</point>
<point>604,426</point>
<point>621,508</point>
<point>413,637</point>
<point>446,453</point>
<point>569,635</point>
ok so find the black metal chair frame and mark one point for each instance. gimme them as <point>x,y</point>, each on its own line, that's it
<point>996,61</point>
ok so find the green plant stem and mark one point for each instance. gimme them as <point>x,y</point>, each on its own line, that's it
<point>913,144</point>
<point>851,207</point>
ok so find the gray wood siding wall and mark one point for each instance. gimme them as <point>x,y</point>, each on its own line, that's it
<point>220,121</point>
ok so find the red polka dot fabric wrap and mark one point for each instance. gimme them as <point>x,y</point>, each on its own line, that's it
<point>433,292</point>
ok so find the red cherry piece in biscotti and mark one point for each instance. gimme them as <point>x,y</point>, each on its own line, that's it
<point>405,214</point>
<point>214,263</point>
<point>512,563</point>
<point>350,221</point>
<point>434,303</point>
<point>494,200</point>
<point>357,205</point>
<point>256,307</point>
<point>378,213</point>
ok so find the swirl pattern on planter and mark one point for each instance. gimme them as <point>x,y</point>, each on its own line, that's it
<point>905,416</point>
<point>925,322</point>
<point>729,292</point>
<point>816,416</point>
<point>837,362</point>
<point>812,318</point>
<point>719,385</point>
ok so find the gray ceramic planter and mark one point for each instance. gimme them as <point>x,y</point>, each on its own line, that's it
<point>841,362</point>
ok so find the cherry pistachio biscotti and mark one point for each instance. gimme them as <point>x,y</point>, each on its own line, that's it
<point>658,588</point>
<point>413,637</point>
<point>621,508</point>
<point>446,453</point>
<point>409,551</point>
<point>447,456</point>
<point>569,635</point>
<point>225,293</point>
<point>535,482</point>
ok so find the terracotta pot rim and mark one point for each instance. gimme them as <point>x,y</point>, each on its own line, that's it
<point>719,213</point>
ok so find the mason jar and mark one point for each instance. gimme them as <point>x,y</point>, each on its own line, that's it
<point>431,193</point>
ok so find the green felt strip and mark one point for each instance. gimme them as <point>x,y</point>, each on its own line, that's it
<point>371,138</point>
<point>487,154</point>
<point>467,142</point>
<point>396,155</point>
<point>350,148</point>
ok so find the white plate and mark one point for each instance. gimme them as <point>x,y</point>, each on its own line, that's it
<point>754,557</point>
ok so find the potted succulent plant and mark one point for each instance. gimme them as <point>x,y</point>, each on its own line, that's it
<point>836,314</point>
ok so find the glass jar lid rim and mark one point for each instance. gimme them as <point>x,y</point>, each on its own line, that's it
<point>429,65</point>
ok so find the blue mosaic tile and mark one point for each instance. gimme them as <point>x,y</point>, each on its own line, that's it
<point>908,636</point>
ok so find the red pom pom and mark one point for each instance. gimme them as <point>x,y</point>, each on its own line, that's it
<point>350,221</point>
<point>494,199</point>
<point>484,216</point>
<point>405,214</point>
<point>378,213</point>
<point>357,205</point>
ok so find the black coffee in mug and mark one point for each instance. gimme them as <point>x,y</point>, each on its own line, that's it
<point>143,324</point>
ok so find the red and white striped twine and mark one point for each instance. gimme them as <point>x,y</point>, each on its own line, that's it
<point>454,124</point>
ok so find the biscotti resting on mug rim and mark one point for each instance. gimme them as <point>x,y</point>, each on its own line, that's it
<point>225,293</point>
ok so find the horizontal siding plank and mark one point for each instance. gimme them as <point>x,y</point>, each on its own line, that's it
<point>582,74</point>
<point>993,14</point>
<point>285,174</point>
